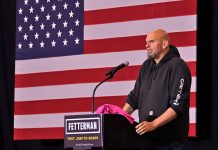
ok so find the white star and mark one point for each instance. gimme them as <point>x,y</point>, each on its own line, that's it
<point>71,14</point>
<point>53,25</point>
<point>25,2</point>
<point>36,36</point>
<point>42,8</point>
<point>42,44</point>
<point>77,4</point>
<point>53,7</point>
<point>30,45</point>
<point>71,32</point>
<point>31,27</point>
<point>31,9</point>
<point>65,5</point>
<point>76,41</point>
<point>48,1</point>
<point>25,19</point>
<point>20,11</point>
<point>42,26</point>
<point>36,18</point>
<point>20,28</point>
<point>25,36</point>
<point>65,24</point>
<point>37,1</point>
<point>48,17</point>
<point>53,43</point>
<point>47,35</point>
<point>19,46</point>
<point>77,22</point>
<point>59,15</point>
<point>59,33</point>
<point>65,42</point>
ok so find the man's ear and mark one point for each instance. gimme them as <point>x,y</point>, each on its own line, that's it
<point>165,44</point>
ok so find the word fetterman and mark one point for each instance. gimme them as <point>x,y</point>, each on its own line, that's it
<point>78,126</point>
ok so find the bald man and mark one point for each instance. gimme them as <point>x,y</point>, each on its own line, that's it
<point>161,94</point>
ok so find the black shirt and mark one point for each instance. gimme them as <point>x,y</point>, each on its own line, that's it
<point>160,86</point>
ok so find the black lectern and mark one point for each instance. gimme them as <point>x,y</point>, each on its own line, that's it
<point>101,130</point>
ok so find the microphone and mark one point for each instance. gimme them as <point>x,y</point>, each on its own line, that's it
<point>110,75</point>
<point>114,70</point>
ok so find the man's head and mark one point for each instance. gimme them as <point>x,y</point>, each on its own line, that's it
<point>157,44</point>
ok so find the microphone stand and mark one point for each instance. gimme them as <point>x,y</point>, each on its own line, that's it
<point>93,95</point>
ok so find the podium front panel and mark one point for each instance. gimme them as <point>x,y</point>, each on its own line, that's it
<point>83,131</point>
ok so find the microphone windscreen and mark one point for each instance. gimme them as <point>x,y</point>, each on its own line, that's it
<point>126,63</point>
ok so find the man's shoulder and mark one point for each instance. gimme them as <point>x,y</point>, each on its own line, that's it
<point>147,62</point>
<point>145,65</point>
<point>177,61</point>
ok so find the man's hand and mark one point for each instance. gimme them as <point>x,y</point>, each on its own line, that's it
<point>144,127</point>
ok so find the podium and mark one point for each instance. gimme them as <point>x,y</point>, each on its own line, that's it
<point>101,131</point>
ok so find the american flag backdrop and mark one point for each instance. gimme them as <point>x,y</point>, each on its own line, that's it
<point>64,48</point>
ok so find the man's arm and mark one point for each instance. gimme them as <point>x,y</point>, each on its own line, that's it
<point>146,126</point>
<point>127,108</point>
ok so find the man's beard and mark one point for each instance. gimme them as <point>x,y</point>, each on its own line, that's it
<point>153,55</point>
<point>149,56</point>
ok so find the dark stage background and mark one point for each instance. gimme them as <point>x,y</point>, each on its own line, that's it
<point>207,73</point>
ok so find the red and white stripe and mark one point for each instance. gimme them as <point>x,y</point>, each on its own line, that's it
<point>46,89</point>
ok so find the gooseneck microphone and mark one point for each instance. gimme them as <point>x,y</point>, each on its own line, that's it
<point>110,75</point>
<point>114,70</point>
